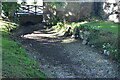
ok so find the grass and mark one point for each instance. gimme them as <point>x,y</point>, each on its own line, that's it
<point>106,37</point>
<point>103,25</point>
<point>15,60</point>
<point>106,26</point>
<point>107,33</point>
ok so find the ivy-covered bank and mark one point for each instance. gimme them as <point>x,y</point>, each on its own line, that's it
<point>15,60</point>
<point>98,34</point>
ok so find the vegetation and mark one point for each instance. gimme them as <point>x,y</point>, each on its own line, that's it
<point>106,26</point>
<point>15,60</point>
<point>9,8</point>
<point>103,35</point>
<point>54,19</point>
<point>108,38</point>
<point>55,4</point>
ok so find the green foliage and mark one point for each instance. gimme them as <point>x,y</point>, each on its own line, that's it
<point>16,63</point>
<point>91,31</point>
<point>99,41</point>
<point>97,34</point>
<point>59,26</point>
<point>15,60</point>
<point>54,4</point>
<point>9,8</point>
<point>107,36</point>
<point>54,20</point>
<point>110,50</point>
<point>109,40</point>
<point>85,27</point>
<point>105,26</point>
<point>10,27</point>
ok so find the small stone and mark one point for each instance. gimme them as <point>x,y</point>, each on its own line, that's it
<point>92,46</point>
<point>72,36</point>
<point>81,36</point>
<point>106,52</point>
<point>30,44</point>
<point>88,43</point>
<point>84,42</point>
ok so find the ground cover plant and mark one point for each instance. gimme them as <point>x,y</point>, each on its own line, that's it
<point>100,34</point>
<point>106,26</point>
<point>15,60</point>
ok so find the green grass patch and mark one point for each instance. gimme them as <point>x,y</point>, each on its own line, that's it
<point>15,61</point>
<point>106,26</point>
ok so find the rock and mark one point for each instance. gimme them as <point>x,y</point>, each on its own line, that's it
<point>106,52</point>
<point>72,36</point>
<point>89,43</point>
<point>84,42</point>
<point>81,36</point>
<point>30,44</point>
<point>92,46</point>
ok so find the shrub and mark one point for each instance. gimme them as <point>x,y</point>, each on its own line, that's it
<point>9,8</point>
<point>59,26</point>
<point>87,31</point>
<point>54,20</point>
<point>8,27</point>
<point>104,40</point>
<point>110,50</point>
<point>108,43</point>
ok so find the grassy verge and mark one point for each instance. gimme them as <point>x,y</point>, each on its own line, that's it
<point>15,60</point>
<point>108,37</point>
<point>102,35</point>
<point>106,26</point>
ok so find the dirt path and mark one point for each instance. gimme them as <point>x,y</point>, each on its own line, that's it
<point>60,57</point>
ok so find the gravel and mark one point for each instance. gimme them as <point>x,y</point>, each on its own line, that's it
<point>60,57</point>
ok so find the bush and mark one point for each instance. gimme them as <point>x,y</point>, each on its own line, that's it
<point>9,27</point>
<point>104,40</point>
<point>86,31</point>
<point>54,20</point>
<point>9,8</point>
<point>59,26</point>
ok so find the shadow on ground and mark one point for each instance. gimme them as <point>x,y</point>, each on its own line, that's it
<point>60,57</point>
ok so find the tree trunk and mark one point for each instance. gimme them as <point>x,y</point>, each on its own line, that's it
<point>0,8</point>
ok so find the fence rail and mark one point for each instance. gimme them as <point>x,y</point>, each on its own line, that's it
<point>30,9</point>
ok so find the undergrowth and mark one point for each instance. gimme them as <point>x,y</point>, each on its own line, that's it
<point>15,60</point>
<point>99,34</point>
